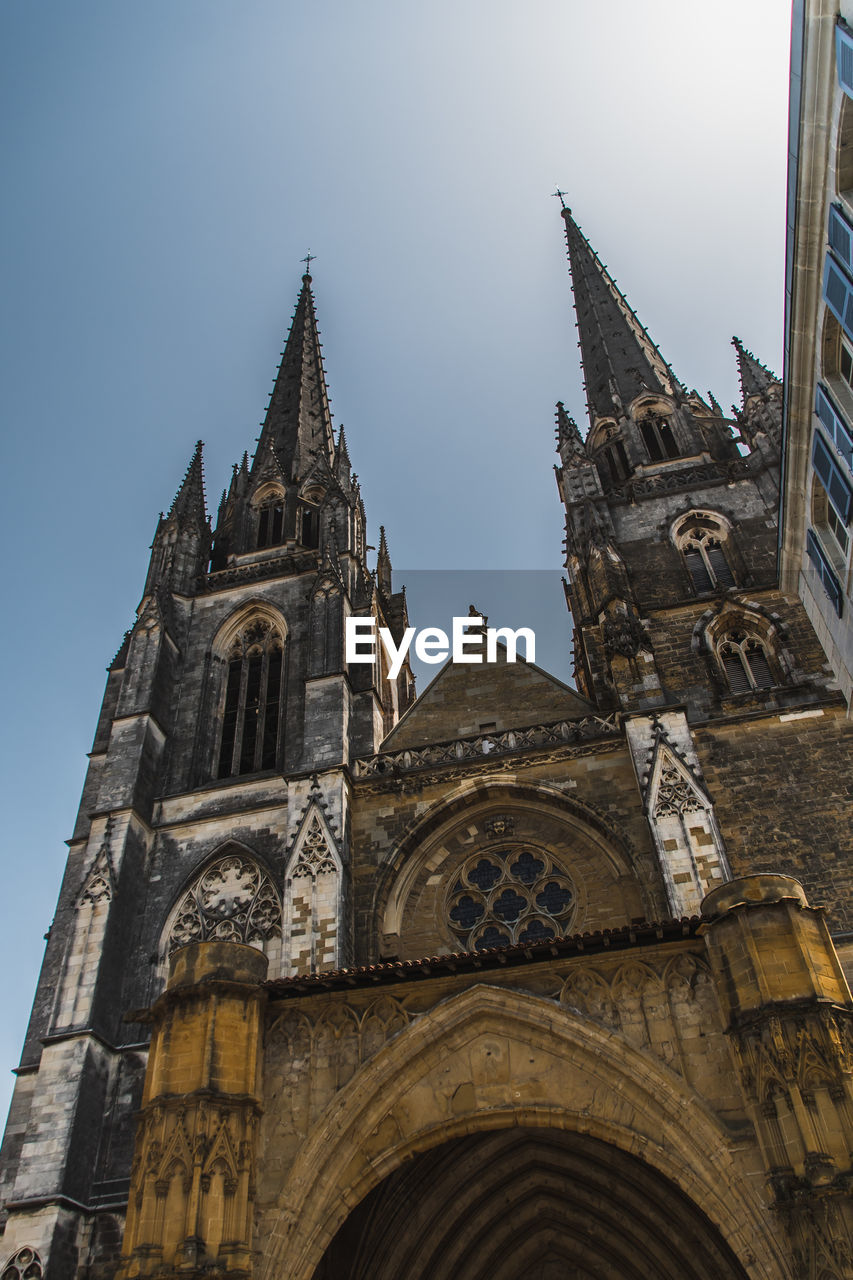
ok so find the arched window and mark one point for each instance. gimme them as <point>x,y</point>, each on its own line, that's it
<point>613,465</point>
<point>511,895</point>
<point>233,900</point>
<point>310,527</point>
<point>24,1265</point>
<point>701,541</point>
<point>658,438</point>
<point>744,660</point>
<point>251,711</point>
<point>271,522</point>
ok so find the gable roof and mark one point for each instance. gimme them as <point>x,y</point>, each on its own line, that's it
<point>466,698</point>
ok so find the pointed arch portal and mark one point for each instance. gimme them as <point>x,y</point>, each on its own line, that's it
<point>498,1136</point>
<point>539,1203</point>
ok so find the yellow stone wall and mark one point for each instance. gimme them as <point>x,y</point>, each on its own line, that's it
<point>192,1183</point>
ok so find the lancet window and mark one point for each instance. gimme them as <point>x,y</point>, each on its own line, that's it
<point>310,527</point>
<point>512,895</point>
<point>701,540</point>
<point>613,465</point>
<point>658,438</point>
<point>271,522</point>
<point>252,701</point>
<point>744,660</point>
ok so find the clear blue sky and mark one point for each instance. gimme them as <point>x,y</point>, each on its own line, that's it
<point>166,166</point>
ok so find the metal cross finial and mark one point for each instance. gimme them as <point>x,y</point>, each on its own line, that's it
<point>558,195</point>
<point>308,259</point>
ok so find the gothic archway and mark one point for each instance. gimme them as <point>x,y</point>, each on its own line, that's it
<point>489,1061</point>
<point>539,1203</point>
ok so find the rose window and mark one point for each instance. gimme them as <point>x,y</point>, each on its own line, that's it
<point>508,896</point>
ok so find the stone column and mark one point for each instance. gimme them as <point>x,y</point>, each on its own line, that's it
<point>789,1017</point>
<point>192,1184</point>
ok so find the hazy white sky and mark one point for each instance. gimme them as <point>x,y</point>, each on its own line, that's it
<point>167,165</point>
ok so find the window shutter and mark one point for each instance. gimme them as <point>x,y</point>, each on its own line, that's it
<point>840,237</point>
<point>838,294</point>
<point>760,668</point>
<point>720,566</point>
<point>830,583</point>
<point>829,473</point>
<point>699,574</point>
<point>735,673</point>
<point>844,59</point>
<point>834,424</point>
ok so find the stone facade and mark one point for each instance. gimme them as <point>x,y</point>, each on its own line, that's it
<point>514,978</point>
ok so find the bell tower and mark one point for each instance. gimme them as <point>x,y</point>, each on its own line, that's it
<point>217,801</point>
<point>671,517</point>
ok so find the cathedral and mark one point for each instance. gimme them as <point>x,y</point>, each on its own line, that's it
<point>508,979</point>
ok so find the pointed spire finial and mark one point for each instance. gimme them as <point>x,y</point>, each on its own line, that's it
<point>560,195</point>
<point>308,259</point>
<point>189,504</point>
<point>383,563</point>
<point>568,434</point>
<point>298,422</point>
<point>619,358</point>
<point>755,378</point>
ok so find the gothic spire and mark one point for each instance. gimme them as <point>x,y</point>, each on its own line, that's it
<point>620,361</point>
<point>383,563</point>
<point>755,378</point>
<point>569,438</point>
<point>298,422</point>
<point>189,505</point>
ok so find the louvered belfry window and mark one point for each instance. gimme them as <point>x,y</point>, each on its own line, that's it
<point>744,661</point>
<point>658,438</point>
<point>251,715</point>
<point>699,573</point>
<point>706,561</point>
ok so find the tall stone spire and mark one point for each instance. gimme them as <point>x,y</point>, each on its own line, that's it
<point>620,361</point>
<point>298,422</point>
<point>189,505</point>
<point>755,378</point>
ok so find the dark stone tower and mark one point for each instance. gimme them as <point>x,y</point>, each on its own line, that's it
<point>671,525</point>
<point>217,801</point>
